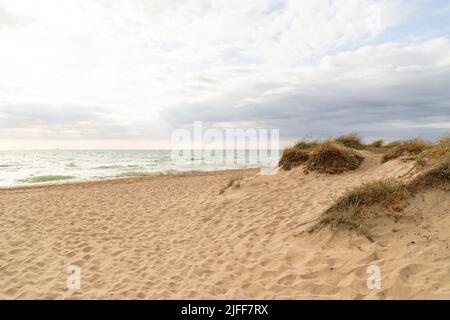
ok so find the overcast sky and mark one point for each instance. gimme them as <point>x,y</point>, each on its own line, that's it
<point>125,73</point>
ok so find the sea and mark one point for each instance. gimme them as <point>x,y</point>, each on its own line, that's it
<point>18,168</point>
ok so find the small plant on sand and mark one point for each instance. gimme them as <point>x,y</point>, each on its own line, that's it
<point>333,158</point>
<point>377,143</point>
<point>234,182</point>
<point>406,148</point>
<point>351,140</point>
<point>352,210</point>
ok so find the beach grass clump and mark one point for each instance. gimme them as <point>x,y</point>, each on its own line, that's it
<point>377,143</point>
<point>435,177</point>
<point>233,182</point>
<point>376,146</point>
<point>406,148</point>
<point>50,178</point>
<point>297,155</point>
<point>305,145</point>
<point>352,210</point>
<point>351,140</point>
<point>293,157</point>
<point>435,154</point>
<point>379,192</point>
<point>332,158</point>
<point>393,144</point>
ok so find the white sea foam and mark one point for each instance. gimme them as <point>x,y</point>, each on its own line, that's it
<point>29,167</point>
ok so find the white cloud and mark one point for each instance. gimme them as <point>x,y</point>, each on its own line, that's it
<point>367,90</point>
<point>146,62</point>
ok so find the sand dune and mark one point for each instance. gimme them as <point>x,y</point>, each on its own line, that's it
<point>175,237</point>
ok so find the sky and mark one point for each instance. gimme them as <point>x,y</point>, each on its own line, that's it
<point>126,73</point>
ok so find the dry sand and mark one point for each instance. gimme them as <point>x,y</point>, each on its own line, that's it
<point>175,237</point>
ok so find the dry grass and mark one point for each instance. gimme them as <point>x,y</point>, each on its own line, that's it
<point>376,146</point>
<point>306,145</point>
<point>293,157</point>
<point>377,143</point>
<point>334,155</point>
<point>434,154</point>
<point>234,182</point>
<point>297,155</point>
<point>383,192</point>
<point>332,158</point>
<point>353,209</point>
<point>406,148</point>
<point>393,144</point>
<point>351,140</point>
<point>435,177</point>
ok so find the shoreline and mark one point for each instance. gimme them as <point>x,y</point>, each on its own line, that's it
<point>75,182</point>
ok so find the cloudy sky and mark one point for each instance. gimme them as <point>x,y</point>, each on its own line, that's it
<point>125,73</point>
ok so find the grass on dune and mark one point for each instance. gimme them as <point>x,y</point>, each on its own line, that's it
<point>233,182</point>
<point>293,157</point>
<point>356,206</point>
<point>335,155</point>
<point>406,148</point>
<point>324,156</point>
<point>437,175</point>
<point>352,210</point>
<point>351,140</point>
<point>332,158</point>
<point>376,144</point>
<point>435,153</point>
<point>306,145</point>
<point>393,144</point>
<point>297,155</point>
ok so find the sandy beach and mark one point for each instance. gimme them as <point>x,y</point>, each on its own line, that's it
<point>181,237</point>
<point>225,150</point>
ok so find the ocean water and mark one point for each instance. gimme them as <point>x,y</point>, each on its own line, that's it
<point>44,167</point>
